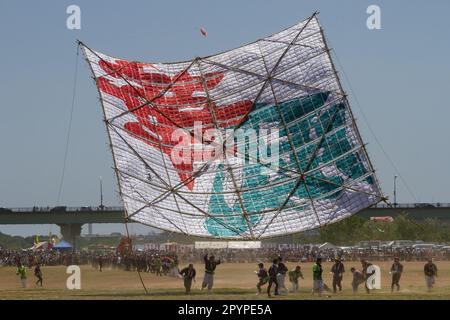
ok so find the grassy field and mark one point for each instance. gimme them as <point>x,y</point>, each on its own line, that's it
<point>232,281</point>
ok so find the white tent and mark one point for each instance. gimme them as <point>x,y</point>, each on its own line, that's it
<point>327,245</point>
<point>43,245</point>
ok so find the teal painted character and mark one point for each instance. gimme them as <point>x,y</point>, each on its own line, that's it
<point>263,192</point>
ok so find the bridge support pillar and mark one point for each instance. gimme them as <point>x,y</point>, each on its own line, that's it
<point>70,232</point>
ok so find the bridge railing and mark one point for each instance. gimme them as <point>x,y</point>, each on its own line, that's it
<point>119,208</point>
<point>414,205</point>
<point>66,209</point>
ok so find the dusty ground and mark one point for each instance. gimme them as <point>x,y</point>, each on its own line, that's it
<point>232,281</point>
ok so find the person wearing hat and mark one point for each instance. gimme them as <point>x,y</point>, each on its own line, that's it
<point>396,272</point>
<point>338,271</point>
<point>317,277</point>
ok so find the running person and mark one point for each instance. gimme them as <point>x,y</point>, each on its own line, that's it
<point>430,271</point>
<point>358,278</point>
<point>158,266</point>
<point>281,276</point>
<point>210,267</point>
<point>365,266</point>
<point>263,277</point>
<point>22,273</point>
<point>273,271</point>
<point>396,272</point>
<point>317,277</point>
<point>293,277</point>
<point>188,274</point>
<point>38,274</point>
<point>100,263</point>
<point>338,271</point>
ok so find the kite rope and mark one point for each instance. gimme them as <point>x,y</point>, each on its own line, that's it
<point>391,162</point>
<point>69,129</point>
<point>79,43</point>
<point>137,269</point>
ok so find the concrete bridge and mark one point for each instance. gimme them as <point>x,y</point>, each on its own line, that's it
<point>71,219</point>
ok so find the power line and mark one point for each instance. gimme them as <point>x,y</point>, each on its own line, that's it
<point>66,151</point>
<point>391,162</point>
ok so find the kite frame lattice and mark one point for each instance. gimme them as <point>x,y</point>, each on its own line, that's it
<point>268,79</point>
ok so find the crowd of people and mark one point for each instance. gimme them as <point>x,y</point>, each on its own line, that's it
<point>275,276</point>
<point>310,253</point>
<point>154,260</point>
<point>166,263</point>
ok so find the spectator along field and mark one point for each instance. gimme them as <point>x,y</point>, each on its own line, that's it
<point>232,281</point>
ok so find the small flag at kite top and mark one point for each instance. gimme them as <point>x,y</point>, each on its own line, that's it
<point>203,31</point>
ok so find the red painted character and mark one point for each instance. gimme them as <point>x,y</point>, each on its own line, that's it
<point>173,105</point>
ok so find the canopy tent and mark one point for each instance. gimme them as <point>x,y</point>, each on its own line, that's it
<point>62,245</point>
<point>43,245</point>
<point>327,245</point>
<point>383,218</point>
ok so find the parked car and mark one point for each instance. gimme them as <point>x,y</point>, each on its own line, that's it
<point>403,243</point>
<point>58,209</point>
<point>424,205</point>
<point>422,246</point>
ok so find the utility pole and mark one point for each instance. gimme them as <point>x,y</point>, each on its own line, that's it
<point>395,191</point>
<point>100,206</point>
<point>101,193</point>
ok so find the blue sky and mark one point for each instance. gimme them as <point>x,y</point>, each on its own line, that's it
<point>400,75</point>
